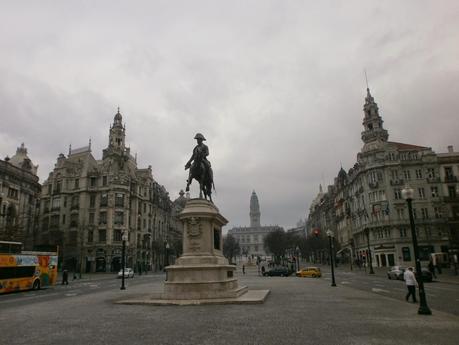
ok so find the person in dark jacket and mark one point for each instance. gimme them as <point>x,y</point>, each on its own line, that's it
<point>65,277</point>
<point>431,268</point>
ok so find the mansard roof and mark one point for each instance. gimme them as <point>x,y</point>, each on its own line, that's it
<point>402,146</point>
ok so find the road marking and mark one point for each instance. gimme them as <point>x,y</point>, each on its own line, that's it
<point>71,294</point>
<point>29,297</point>
<point>345,283</point>
<point>434,287</point>
<point>379,290</point>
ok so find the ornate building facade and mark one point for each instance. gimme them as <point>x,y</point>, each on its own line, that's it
<point>19,193</point>
<point>251,239</point>
<point>87,205</point>
<point>365,207</point>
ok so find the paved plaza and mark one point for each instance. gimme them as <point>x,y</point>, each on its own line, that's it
<point>297,311</point>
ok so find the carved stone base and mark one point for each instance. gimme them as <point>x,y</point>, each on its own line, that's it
<point>202,272</point>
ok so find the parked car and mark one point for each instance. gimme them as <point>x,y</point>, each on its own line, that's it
<point>425,274</point>
<point>128,273</point>
<point>313,272</point>
<point>278,271</point>
<point>396,272</point>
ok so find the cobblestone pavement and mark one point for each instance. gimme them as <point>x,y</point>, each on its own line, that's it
<point>298,311</point>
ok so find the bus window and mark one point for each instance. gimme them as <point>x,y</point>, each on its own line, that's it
<point>17,272</point>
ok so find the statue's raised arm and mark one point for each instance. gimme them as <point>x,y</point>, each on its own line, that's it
<point>200,168</point>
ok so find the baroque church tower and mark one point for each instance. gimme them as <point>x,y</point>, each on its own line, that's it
<point>254,211</point>
<point>117,137</point>
<point>374,134</point>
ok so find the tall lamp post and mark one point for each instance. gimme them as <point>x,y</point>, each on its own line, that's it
<point>123,258</point>
<point>330,242</point>
<point>297,258</point>
<point>407,194</point>
<point>370,261</point>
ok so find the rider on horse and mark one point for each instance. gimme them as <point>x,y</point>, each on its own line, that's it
<point>199,156</point>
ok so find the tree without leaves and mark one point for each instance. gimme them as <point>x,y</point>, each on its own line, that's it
<point>231,247</point>
<point>276,243</point>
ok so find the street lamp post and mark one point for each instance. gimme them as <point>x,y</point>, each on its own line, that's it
<point>330,241</point>
<point>297,258</point>
<point>370,261</point>
<point>407,194</point>
<point>123,259</point>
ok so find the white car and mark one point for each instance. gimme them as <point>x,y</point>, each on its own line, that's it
<point>128,273</point>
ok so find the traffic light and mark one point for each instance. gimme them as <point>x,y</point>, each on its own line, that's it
<point>316,232</point>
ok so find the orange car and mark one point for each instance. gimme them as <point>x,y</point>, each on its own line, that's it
<point>313,272</point>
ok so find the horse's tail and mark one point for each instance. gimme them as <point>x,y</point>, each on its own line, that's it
<point>213,185</point>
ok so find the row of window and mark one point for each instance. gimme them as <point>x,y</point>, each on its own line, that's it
<point>403,233</point>
<point>379,213</point>
<point>119,219</point>
<point>74,184</point>
<point>403,156</point>
<point>103,202</point>
<point>249,238</point>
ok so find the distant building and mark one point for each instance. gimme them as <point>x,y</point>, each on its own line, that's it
<point>88,204</point>
<point>365,205</point>
<point>298,231</point>
<point>19,193</point>
<point>251,238</point>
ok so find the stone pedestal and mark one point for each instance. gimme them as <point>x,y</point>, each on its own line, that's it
<point>202,272</point>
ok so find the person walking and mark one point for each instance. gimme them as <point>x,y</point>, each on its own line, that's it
<point>65,277</point>
<point>411,283</point>
<point>431,268</point>
<point>243,269</point>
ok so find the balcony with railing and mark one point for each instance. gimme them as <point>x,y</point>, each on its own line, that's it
<point>450,178</point>
<point>373,185</point>
<point>451,198</point>
<point>398,182</point>
<point>433,179</point>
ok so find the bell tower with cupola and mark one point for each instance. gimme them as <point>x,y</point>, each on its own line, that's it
<point>117,137</point>
<point>254,211</point>
<point>117,133</point>
<point>372,122</point>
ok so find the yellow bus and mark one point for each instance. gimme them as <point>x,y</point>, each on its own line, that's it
<point>25,270</point>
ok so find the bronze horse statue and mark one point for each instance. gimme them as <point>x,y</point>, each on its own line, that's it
<point>200,169</point>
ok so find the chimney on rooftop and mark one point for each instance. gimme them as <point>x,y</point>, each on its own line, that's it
<point>450,149</point>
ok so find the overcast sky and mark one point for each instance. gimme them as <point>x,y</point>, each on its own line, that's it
<point>276,87</point>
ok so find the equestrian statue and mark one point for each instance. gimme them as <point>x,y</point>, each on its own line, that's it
<point>200,169</point>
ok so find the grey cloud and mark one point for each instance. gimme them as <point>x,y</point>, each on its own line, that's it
<point>276,87</point>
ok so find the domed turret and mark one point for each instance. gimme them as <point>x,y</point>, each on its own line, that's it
<point>22,161</point>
